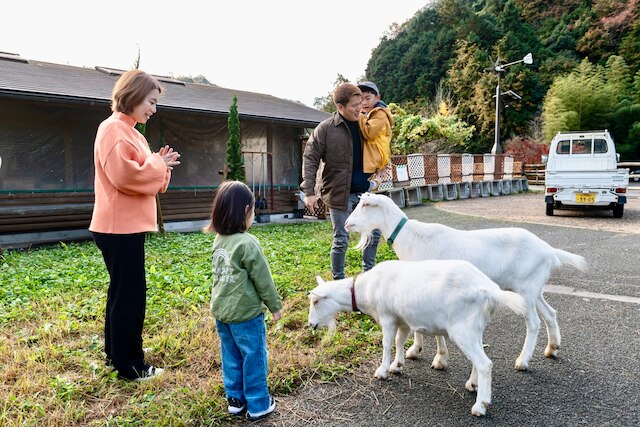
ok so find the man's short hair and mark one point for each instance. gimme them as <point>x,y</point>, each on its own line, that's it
<point>343,93</point>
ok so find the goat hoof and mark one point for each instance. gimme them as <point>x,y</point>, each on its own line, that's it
<point>479,409</point>
<point>471,386</point>
<point>380,374</point>
<point>413,352</point>
<point>439,364</point>
<point>521,366</point>
<point>396,369</point>
<point>551,351</point>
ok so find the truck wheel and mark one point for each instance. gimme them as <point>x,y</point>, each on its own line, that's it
<point>618,210</point>
<point>549,209</point>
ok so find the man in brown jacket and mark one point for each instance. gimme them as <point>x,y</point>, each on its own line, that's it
<point>337,143</point>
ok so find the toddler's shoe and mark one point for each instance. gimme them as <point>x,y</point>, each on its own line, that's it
<point>235,406</point>
<point>263,414</point>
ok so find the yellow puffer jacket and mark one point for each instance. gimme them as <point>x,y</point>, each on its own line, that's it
<point>376,130</point>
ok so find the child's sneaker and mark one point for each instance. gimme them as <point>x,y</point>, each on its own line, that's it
<point>235,406</point>
<point>263,414</point>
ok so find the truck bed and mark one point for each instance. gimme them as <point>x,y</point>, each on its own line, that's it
<point>588,179</point>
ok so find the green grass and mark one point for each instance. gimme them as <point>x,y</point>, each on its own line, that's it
<point>52,302</point>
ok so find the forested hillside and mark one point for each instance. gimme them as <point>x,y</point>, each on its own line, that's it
<point>436,66</point>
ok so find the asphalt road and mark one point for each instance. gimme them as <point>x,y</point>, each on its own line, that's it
<point>595,381</point>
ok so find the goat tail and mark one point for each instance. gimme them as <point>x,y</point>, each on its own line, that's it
<point>577,261</point>
<point>365,239</point>
<point>513,301</point>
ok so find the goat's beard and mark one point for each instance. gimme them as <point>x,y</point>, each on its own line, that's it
<point>331,326</point>
<point>365,240</point>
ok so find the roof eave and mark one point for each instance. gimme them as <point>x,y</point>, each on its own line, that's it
<point>41,96</point>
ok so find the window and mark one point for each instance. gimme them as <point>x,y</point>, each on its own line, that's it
<point>600,146</point>
<point>581,146</point>
<point>563,147</point>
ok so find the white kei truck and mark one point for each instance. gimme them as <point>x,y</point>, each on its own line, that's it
<point>582,173</point>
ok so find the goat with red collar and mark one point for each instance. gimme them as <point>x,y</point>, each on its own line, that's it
<point>451,298</point>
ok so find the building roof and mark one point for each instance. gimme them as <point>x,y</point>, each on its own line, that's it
<point>29,79</point>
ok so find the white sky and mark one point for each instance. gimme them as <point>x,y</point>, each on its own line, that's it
<point>291,49</point>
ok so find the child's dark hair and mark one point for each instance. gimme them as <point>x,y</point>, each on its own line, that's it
<point>229,209</point>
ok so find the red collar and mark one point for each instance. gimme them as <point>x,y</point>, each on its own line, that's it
<point>354,306</point>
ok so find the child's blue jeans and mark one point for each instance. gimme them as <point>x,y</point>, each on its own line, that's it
<point>244,362</point>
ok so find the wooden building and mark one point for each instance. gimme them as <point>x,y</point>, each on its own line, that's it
<point>49,114</point>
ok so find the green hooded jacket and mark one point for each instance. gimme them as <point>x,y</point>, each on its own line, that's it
<point>242,282</point>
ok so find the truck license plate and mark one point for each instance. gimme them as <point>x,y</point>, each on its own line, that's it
<point>586,198</point>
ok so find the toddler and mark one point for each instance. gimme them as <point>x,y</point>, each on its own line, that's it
<point>242,286</point>
<point>375,124</point>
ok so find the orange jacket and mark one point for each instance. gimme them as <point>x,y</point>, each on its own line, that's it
<point>128,177</point>
<point>376,130</point>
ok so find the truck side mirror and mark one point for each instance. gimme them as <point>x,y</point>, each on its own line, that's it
<point>544,158</point>
<point>618,157</point>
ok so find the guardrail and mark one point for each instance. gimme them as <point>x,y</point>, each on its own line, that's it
<point>416,178</point>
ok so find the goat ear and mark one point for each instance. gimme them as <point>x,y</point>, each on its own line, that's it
<point>319,280</point>
<point>365,199</point>
<point>316,295</point>
<point>372,200</point>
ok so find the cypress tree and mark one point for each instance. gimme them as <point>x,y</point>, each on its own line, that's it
<point>235,162</point>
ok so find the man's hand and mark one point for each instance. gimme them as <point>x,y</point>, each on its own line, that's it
<point>311,202</point>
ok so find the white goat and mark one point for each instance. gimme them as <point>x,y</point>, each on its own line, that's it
<point>514,258</point>
<point>451,298</point>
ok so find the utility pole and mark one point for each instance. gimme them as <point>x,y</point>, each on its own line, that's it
<point>499,68</point>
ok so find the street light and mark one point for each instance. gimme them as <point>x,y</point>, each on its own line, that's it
<point>498,68</point>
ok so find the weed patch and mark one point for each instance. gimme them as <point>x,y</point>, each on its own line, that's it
<point>52,301</point>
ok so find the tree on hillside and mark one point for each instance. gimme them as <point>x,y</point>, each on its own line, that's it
<point>325,103</point>
<point>635,92</point>
<point>450,40</point>
<point>235,161</point>
<point>618,79</point>
<point>542,10</point>
<point>578,101</point>
<point>596,97</point>
<point>411,65</point>
<point>518,39</point>
<point>630,46</point>
<point>609,22</point>
<point>625,123</point>
<point>199,79</point>
<point>473,26</point>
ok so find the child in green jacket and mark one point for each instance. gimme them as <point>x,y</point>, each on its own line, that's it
<point>242,286</point>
